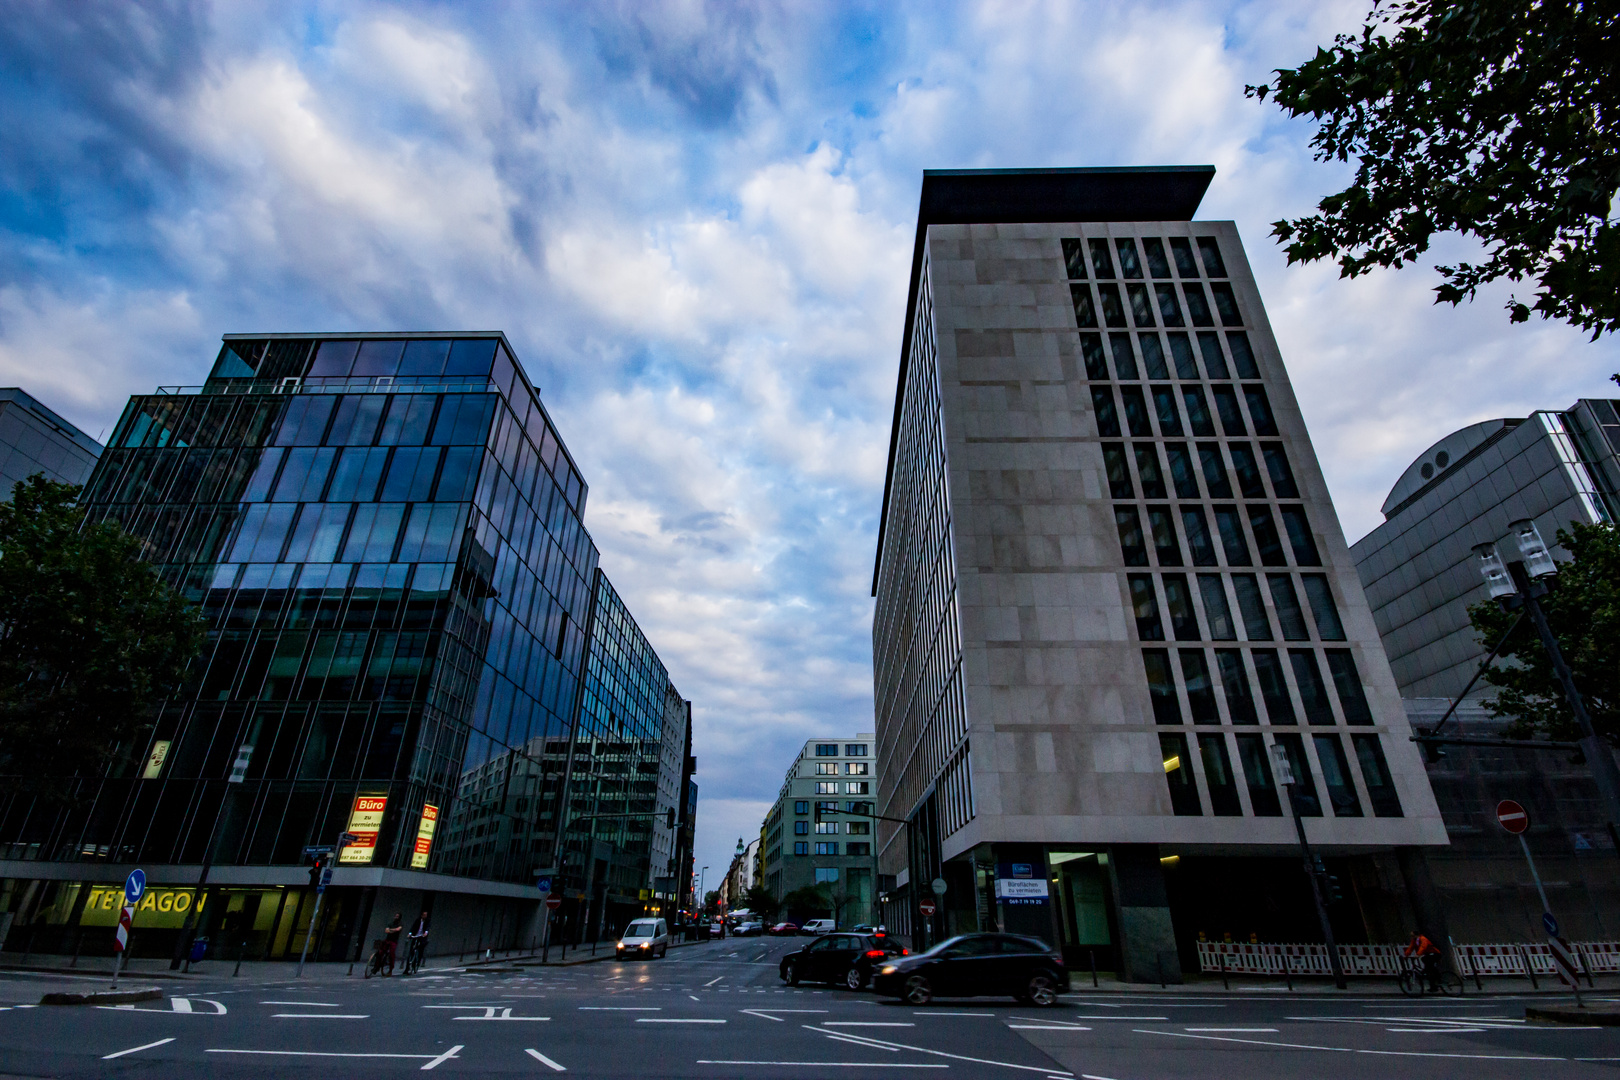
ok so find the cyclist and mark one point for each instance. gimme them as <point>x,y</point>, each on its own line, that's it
<point>418,936</point>
<point>1428,954</point>
<point>391,935</point>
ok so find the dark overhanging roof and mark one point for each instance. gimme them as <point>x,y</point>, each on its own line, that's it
<point>1001,196</point>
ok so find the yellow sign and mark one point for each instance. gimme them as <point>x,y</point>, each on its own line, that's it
<point>159,907</point>
<point>365,822</point>
<point>154,762</point>
<point>424,836</point>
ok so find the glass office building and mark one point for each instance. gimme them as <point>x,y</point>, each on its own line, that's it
<point>384,534</point>
<point>1111,585</point>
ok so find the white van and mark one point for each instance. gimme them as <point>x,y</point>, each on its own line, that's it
<point>818,926</point>
<point>644,938</point>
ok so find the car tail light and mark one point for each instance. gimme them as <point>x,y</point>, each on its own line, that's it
<point>905,952</point>
<point>875,954</point>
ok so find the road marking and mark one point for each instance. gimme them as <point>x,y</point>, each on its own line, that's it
<point>883,1045</point>
<point>320,1016</point>
<point>538,1056</point>
<point>307,1004</point>
<point>936,1012</point>
<point>828,1064</point>
<point>1422,1031</point>
<point>862,1023</point>
<point>621,1008</point>
<point>711,982</point>
<point>1249,1030</point>
<point>1047,1027</point>
<point>694,997</point>
<point>670,1020</point>
<point>446,1056</point>
<point>136,1049</point>
<point>1353,1049</point>
<point>1078,1016</point>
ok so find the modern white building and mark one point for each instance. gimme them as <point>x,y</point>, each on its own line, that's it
<point>1110,581</point>
<point>831,851</point>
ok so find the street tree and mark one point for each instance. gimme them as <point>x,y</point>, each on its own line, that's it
<point>1496,119</point>
<point>90,640</point>
<point>807,902</point>
<point>762,902</point>
<point>1583,612</point>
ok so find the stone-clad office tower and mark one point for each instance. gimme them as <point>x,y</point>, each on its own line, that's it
<point>1109,578</point>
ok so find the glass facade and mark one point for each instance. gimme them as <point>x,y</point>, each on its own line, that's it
<point>385,537</point>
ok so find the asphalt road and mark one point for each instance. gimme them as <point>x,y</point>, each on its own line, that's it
<point>719,1010</point>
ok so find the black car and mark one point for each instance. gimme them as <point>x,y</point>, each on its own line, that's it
<point>977,965</point>
<point>845,959</point>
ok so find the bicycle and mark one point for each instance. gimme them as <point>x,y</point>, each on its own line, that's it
<point>1414,981</point>
<point>378,964</point>
<point>415,954</point>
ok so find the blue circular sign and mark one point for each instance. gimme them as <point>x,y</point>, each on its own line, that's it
<point>135,886</point>
<point>1550,923</point>
<point>544,885</point>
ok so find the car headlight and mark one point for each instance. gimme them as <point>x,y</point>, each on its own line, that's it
<point>887,969</point>
<point>646,945</point>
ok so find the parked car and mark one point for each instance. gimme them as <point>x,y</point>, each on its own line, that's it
<point>843,959</point>
<point>749,929</point>
<point>643,938</point>
<point>977,965</point>
<point>785,928</point>
<point>717,928</point>
<point>819,926</point>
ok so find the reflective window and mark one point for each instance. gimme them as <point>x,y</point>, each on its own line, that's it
<point>1210,252</point>
<point>1178,774</point>
<point>1181,249</point>
<point>1145,605</point>
<point>1375,774</point>
<point>1286,601</point>
<point>1085,312</point>
<point>1268,672</point>
<point>1312,691</point>
<point>1129,265</point>
<point>1158,264</point>
<point>1323,609</point>
<point>1074,262</point>
<point>1347,681</point>
<point>1124,358</point>
<point>1341,789</point>
<point>1200,690</point>
<point>1209,346</point>
<point>1091,351</point>
<point>1217,614</point>
<point>1235,682</point>
<point>378,358</point>
<point>1161,686</point>
<point>1223,796</point>
<point>1153,356</point>
<point>1263,798</point>
<point>1101,262</point>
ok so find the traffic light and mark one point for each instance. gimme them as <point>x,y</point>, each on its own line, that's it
<point>315,873</point>
<point>1432,753</point>
<point>669,819</point>
<point>1331,886</point>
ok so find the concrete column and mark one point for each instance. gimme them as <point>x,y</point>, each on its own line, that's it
<point>1427,906</point>
<point>1147,939</point>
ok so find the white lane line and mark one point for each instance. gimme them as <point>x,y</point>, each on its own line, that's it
<point>1421,1031</point>
<point>694,997</point>
<point>670,1020</point>
<point>319,1053</point>
<point>711,982</point>
<point>442,1058</point>
<point>621,1008</point>
<point>936,1012</point>
<point>763,1015</point>
<point>1047,1027</point>
<point>542,1059</point>
<point>827,1064</point>
<point>1353,1049</point>
<point>1081,1016</point>
<point>136,1049</point>
<point>863,1023</point>
<point>883,1045</point>
<point>320,1016</point>
<point>1250,1030</point>
<point>306,1004</point>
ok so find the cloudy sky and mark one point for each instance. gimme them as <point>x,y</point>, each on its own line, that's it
<point>693,220</point>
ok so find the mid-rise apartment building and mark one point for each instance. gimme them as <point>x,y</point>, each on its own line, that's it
<point>1111,585</point>
<point>805,845</point>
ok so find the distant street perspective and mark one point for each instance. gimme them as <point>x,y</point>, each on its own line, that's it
<point>721,1009</point>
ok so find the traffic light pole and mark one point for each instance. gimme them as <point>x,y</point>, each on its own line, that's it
<point>1334,962</point>
<point>1596,748</point>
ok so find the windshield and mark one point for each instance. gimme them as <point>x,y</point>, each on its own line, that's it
<point>947,943</point>
<point>639,929</point>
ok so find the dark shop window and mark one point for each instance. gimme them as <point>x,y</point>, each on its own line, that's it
<point>1200,689</point>
<point>1257,776</point>
<point>1223,796</point>
<point>1178,774</point>
<point>1161,686</point>
<point>1268,671</point>
<point>1145,605</point>
<point>1347,681</point>
<point>1119,473</point>
<point>1131,541</point>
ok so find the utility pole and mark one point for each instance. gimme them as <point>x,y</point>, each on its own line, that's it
<point>1285,773</point>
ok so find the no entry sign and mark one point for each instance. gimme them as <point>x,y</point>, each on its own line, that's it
<point>1512,817</point>
<point>553,902</point>
<point>926,907</point>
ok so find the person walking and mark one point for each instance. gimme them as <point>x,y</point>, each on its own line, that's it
<point>391,935</point>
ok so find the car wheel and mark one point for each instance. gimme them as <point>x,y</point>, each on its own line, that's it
<point>1041,991</point>
<point>790,974</point>
<point>918,992</point>
<point>854,978</point>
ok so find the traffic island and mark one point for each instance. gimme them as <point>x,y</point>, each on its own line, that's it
<point>103,997</point>
<point>1602,1015</point>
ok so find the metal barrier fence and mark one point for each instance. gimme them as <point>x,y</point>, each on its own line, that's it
<point>1242,958</point>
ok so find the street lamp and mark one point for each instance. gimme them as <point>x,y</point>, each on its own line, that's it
<point>1313,868</point>
<point>1518,585</point>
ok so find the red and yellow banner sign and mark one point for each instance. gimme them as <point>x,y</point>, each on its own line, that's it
<point>424,836</point>
<point>365,822</point>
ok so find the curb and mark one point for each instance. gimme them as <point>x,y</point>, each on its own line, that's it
<point>103,997</point>
<point>1584,1017</point>
<point>41,969</point>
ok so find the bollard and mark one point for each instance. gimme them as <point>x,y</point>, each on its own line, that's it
<point>1288,971</point>
<point>1528,970</point>
<point>1093,954</point>
<point>1225,983</point>
<point>240,949</point>
<point>1161,971</point>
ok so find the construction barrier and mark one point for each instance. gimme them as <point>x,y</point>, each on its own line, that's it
<point>1246,958</point>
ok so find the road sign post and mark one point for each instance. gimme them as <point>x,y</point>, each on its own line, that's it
<point>134,889</point>
<point>1285,776</point>
<point>1515,819</point>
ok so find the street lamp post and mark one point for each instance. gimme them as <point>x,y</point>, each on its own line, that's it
<point>1518,585</point>
<point>1285,774</point>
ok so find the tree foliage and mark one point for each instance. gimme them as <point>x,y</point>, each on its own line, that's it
<point>808,902</point>
<point>1583,611</point>
<point>762,902</point>
<point>1498,119</point>
<point>90,639</point>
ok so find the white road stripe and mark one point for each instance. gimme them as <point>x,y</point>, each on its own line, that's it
<point>711,982</point>
<point>1353,1049</point>
<point>828,1064</point>
<point>1047,1027</point>
<point>621,1008</point>
<point>1251,1030</point>
<point>320,1016</point>
<point>882,1045</point>
<point>670,1020</point>
<point>446,1056</point>
<point>862,1023</point>
<point>538,1056</point>
<point>306,1004</point>
<point>135,1049</point>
